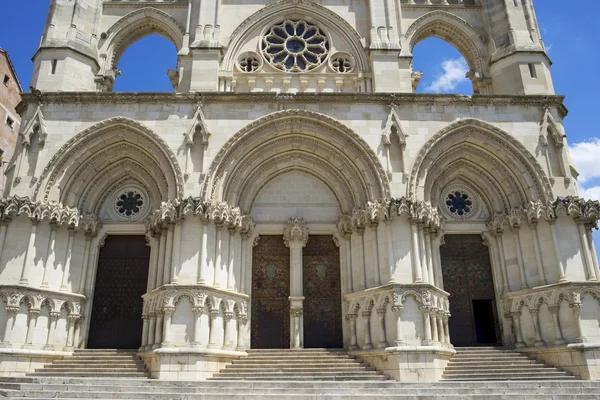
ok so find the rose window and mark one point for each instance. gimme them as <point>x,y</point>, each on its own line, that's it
<point>459,203</point>
<point>129,203</point>
<point>295,46</point>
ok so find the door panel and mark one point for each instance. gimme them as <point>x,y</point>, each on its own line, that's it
<point>270,328</point>
<point>121,280</point>
<point>322,293</point>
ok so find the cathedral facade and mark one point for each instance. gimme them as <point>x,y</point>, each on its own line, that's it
<point>294,191</point>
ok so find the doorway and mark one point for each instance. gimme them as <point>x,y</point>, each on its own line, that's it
<point>322,293</point>
<point>121,280</point>
<point>467,274</point>
<point>270,327</point>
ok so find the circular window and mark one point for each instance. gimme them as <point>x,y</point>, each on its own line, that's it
<point>459,203</point>
<point>342,63</point>
<point>249,62</point>
<point>295,46</point>
<point>129,203</point>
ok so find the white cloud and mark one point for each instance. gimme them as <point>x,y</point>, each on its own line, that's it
<point>549,48</point>
<point>452,74</point>
<point>592,193</point>
<point>585,155</point>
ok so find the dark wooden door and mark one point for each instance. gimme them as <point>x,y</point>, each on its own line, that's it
<point>121,280</point>
<point>468,278</point>
<point>270,328</point>
<point>322,293</point>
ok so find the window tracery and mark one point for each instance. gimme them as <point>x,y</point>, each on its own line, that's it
<point>342,63</point>
<point>249,62</point>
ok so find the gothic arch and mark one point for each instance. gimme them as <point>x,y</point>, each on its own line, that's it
<point>308,10</point>
<point>117,150</point>
<point>134,26</point>
<point>453,30</point>
<point>296,140</point>
<point>491,159</point>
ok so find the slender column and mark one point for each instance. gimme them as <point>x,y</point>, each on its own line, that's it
<point>348,249</point>
<point>168,266</point>
<point>576,307</point>
<point>446,328</point>
<point>243,252</point>
<point>50,248</point>
<point>218,256</point>
<point>295,237</point>
<point>231,259</point>
<point>241,323</point>
<point>390,245</point>
<point>374,226</point>
<point>436,260</point>
<point>361,249</point>
<point>227,322</point>
<point>158,330</point>
<point>398,312</point>
<point>351,318</point>
<point>416,258</point>
<point>151,331</point>
<point>212,337</point>
<point>424,266</point>
<point>168,314</point>
<point>71,319</point>
<point>77,331</point>
<point>54,316</point>
<point>382,339</point>
<point>557,332</point>
<point>539,342</point>
<point>86,262</point>
<point>587,258</point>
<point>203,262</point>
<point>502,257</point>
<point>197,326</point>
<point>493,262</point>
<point>28,260</point>
<point>366,316</point>
<point>176,252</point>
<point>440,327</point>
<point>592,250</point>
<point>153,269</point>
<point>33,316</point>
<point>160,266</point>
<point>3,229</point>
<point>517,239</point>
<point>428,254</point>
<point>145,326</point>
<point>538,255</point>
<point>434,326</point>
<point>426,326</point>
<point>68,258</point>
<point>296,314</point>
<point>11,313</point>
<point>517,324</point>
<point>559,261</point>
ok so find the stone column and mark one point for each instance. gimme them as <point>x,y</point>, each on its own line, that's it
<point>517,324</point>
<point>197,326</point>
<point>11,313</point>
<point>151,331</point>
<point>539,342</point>
<point>434,326</point>
<point>538,253</point>
<point>360,230</point>
<point>146,323</point>
<point>382,338</point>
<point>168,267</point>
<point>374,226</point>
<point>28,260</point>
<point>390,245</point>
<point>587,256</point>
<point>428,341</point>
<point>440,325</point>
<point>398,311</point>
<point>295,237</point>
<point>227,322</point>
<point>203,262</point>
<point>366,316</point>
<point>54,316</point>
<point>176,251</point>
<point>158,328</point>
<point>50,248</point>
<point>429,254</point>
<point>71,319</point>
<point>231,259</point>
<point>446,328</point>
<point>218,254</point>
<point>502,258</point>
<point>559,262</point>
<point>351,318</point>
<point>212,336</point>
<point>3,229</point>
<point>33,316</point>
<point>68,258</point>
<point>160,266</point>
<point>168,314</point>
<point>416,257</point>
<point>422,252</point>
<point>557,332</point>
<point>517,239</point>
<point>576,307</point>
<point>241,323</point>
<point>590,242</point>
<point>77,331</point>
<point>86,262</point>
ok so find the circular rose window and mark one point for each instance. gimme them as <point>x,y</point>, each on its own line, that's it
<point>459,203</point>
<point>129,203</point>
<point>295,46</point>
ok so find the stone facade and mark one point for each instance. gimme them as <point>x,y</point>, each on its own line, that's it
<point>296,118</point>
<point>10,120</point>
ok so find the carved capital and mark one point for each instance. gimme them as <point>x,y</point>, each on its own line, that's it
<point>296,230</point>
<point>296,312</point>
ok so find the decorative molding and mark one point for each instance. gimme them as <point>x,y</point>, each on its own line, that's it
<point>296,230</point>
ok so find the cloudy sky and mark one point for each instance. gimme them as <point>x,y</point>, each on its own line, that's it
<point>569,32</point>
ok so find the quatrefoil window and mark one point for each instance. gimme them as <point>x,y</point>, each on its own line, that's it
<point>295,46</point>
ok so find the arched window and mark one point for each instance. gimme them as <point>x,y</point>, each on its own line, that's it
<point>443,68</point>
<point>148,65</point>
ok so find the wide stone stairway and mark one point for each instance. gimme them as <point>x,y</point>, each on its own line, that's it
<point>299,365</point>
<point>499,364</point>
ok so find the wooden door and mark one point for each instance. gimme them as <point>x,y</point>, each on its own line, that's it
<point>322,293</point>
<point>270,328</point>
<point>121,280</point>
<point>467,274</point>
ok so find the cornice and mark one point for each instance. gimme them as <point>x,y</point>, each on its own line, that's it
<point>327,98</point>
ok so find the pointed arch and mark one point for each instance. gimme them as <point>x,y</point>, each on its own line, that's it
<point>308,10</point>
<point>36,126</point>
<point>115,150</point>
<point>491,159</point>
<point>296,140</point>
<point>454,30</point>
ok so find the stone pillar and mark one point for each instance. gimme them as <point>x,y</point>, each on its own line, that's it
<point>231,259</point>
<point>241,323</point>
<point>429,254</point>
<point>416,257</point>
<point>295,237</point>
<point>398,311</point>
<point>160,267</point>
<point>360,230</point>
<point>68,258</point>
<point>54,316</point>
<point>576,307</point>
<point>77,331</point>
<point>146,323</point>
<point>50,248</point>
<point>382,339</point>
<point>374,226</point>
<point>227,322</point>
<point>517,324</point>
<point>446,328</point>
<point>197,326</point>
<point>203,262</point>
<point>28,260</point>
<point>3,229</point>
<point>151,331</point>
<point>351,318</point>
<point>440,325</point>
<point>218,254</point>
<point>422,252</point>
<point>502,258</point>
<point>559,262</point>
<point>33,316</point>
<point>168,314</point>
<point>176,252</point>
<point>391,258</point>
<point>71,319</point>
<point>428,341</point>
<point>538,253</point>
<point>86,262</point>
<point>590,242</point>
<point>539,342</point>
<point>158,328</point>
<point>366,316</point>
<point>212,337</point>
<point>434,326</point>
<point>585,248</point>
<point>168,267</point>
<point>517,239</point>
<point>11,313</point>
<point>557,332</point>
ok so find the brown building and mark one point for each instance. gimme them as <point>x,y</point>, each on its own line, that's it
<point>10,121</point>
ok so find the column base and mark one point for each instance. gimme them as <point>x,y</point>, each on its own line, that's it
<point>560,342</point>
<point>48,347</point>
<point>428,343</point>
<point>166,344</point>
<point>353,347</point>
<point>382,345</point>
<point>196,345</point>
<point>28,346</point>
<point>68,348</point>
<point>540,343</point>
<point>5,345</point>
<point>520,345</point>
<point>368,346</point>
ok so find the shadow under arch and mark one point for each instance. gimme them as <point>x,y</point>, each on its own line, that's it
<point>115,150</point>
<point>489,157</point>
<point>454,30</point>
<point>134,26</point>
<point>284,9</point>
<point>296,140</point>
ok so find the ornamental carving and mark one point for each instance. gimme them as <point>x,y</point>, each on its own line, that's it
<point>296,230</point>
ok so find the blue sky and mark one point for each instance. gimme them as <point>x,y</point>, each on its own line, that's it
<point>570,34</point>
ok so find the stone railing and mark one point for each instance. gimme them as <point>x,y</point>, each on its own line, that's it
<point>550,315</point>
<point>33,303</point>
<point>226,314</point>
<point>433,307</point>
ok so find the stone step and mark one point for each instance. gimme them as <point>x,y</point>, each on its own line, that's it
<point>525,367</point>
<point>498,362</point>
<point>120,364</point>
<point>251,361</point>
<point>295,369</point>
<point>91,374</point>
<point>298,357</point>
<point>506,375</point>
<point>298,365</point>
<point>84,369</point>
<point>107,358</point>
<point>530,370</point>
<point>280,377</point>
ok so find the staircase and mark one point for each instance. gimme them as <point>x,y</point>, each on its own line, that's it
<point>299,365</point>
<point>96,363</point>
<point>499,364</point>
